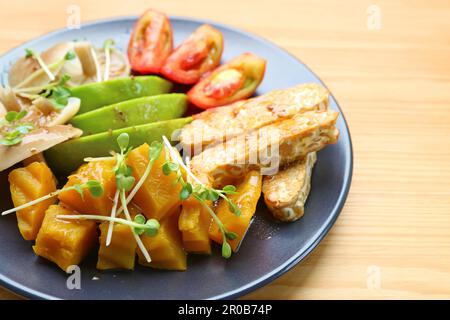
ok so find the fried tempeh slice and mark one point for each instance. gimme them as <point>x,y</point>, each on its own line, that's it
<point>214,125</point>
<point>267,148</point>
<point>285,192</point>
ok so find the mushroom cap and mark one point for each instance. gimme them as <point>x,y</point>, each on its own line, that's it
<point>22,73</point>
<point>36,141</point>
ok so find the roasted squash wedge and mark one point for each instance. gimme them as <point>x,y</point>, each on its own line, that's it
<point>121,252</point>
<point>27,184</point>
<point>248,193</point>
<point>166,248</point>
<point>102,171</point>
<point>64,242</point>
<point>159,194</point>
<point>194,223</point>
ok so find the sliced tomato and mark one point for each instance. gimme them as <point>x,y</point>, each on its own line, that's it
<point>198,54</point>
<point>151,42</point>
<point>233,81</point>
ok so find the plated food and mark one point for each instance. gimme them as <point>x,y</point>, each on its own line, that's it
<point>121,182</point>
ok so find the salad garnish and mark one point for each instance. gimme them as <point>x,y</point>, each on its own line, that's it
<point>202,193</point>
<point>11,130</point>
<point>95,189</point>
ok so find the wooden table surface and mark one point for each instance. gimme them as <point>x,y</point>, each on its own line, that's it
<point>387,62</point>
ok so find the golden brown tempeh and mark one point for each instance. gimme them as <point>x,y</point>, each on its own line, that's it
<point>285,193</point>
<point>218,124</point>
<point>267,148</point>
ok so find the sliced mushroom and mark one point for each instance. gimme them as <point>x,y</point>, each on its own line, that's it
<point>3,110</point>
<point>57,52</point>
<point>67,113</point>
<point>73,69</point>
<point>88,59</point>
<point>118,65</point>
<point>43,113</point>
<point>35,142</point>
<point>26,72</point>
<point>21,70</point>
<point>9,100</point>
<point>43,105</point>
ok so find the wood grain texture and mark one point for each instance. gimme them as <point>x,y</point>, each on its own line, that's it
<point>392,239</point>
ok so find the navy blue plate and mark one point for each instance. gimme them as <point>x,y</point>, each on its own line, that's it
<point>269,248</point>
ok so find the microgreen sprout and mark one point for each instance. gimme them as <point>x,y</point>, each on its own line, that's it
<point>70,55</point>
<point>153,154</point>
<point>124,183</point>
<point>113,215</point>
<point>149,227</point>
<point>55,66</point>
<point>44,90</point>
<point>31,53</point>
<point>12,131</point>
<point>59,97</point>
<point>56,92</point>
<point>95,189</point>
<point>202,194</point>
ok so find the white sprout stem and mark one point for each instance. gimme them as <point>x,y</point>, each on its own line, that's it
<point>113,215</point>
<point>36,88</point>
<point>176,158</point>
<point>36,201</point>
<point>211,212</point>
<point>214,216</point>
<point>136,237</point>
<point>44,67</point>
<point>31,76</point>
<point>107,63</point>
<point>99,218</point>
<point>138,184</point>
<point>97,65</point>
<point>91,159</point>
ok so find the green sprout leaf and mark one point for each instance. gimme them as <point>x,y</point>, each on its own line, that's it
<point>139,218</point>
<point>13,116</point>
<point>28,53</point>
<point>230,189</point>
<point>10,142</point>
<point>95,188</point>
<point>226,250</point>
<point>108,44</point>
<point>234,208</point>
<point>24,128</point>
<point>70,55</point>
<point>186,191</point>
<point>139,231</point>
<point>170,167</point>
<point>11,131</point>
<point>59,97</point>
<point>64,79</point>
<point>123,140</point>
<point>152,227</point>
<point>212,195</point>
<point>21,114</point>
<point>231,235</point>
<point>204,195</point>
<point>123,169</point>
<point>155,150</point>
<point>124,182</point>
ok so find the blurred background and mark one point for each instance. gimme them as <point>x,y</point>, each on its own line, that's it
<point>387,63</point>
